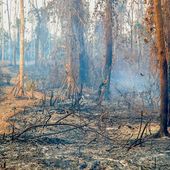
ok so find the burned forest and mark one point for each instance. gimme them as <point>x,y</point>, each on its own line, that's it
<point>85,84</point>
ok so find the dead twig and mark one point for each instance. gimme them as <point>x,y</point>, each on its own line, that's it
<point>42,126</point>
<point>140,140</point>
<point>60,132</point>
<point>57,123</point>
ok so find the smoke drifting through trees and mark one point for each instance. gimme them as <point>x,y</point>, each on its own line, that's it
<point>78,66</point>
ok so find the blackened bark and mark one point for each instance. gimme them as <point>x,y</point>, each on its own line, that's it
<point>160,41</point>
<point>108,38</point>
<point>79,30</point>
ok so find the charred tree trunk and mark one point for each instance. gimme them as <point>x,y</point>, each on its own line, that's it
<point>84,63</point>
<point>72,63</point>
<point>168,51</point>
<point>108,38</point>
<point>166,6</point>
<point>79,31</point>
<point>163,68</point>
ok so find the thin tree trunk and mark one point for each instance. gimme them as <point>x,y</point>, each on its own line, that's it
<point>22,46</point>
<point>72,48</point>
<point>108,38</point>
<point>9,28</point>
<point>15,35</point>
<point>131,25</point>
<point>2,33</point>
<point>18,36</point>
<point>37,43</point>
<point>37,46</point>
<point>32,31</point>
<point>163,68</point>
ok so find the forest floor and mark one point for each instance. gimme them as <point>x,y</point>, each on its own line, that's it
<point>35,135</point>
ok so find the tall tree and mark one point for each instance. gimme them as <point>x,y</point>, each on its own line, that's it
<point>37,30</point>
<point>166,7</point>
<point>79,31</point>
<point>71,67</point>
<point>41,31</point>
<point>2,31</point>
<point>15,34</point>
<point>108,39</point>
<point>160,41</point>
<point>32,30</point>
<point>9,29</point>
<point>21,70</point>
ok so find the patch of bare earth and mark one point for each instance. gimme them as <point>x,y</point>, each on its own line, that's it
<point>61,137</point>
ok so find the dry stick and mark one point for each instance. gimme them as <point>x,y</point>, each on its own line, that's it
<point>3,137</point>
<point>149,128</point>
<point>51,98</point>
<point>128,140</point>
<point>141,122</point>
<point>42,125</point>
<point>140,128</point>
<point>122,145</point>
<point>56,124</point>
<point>13,131</point>
<point>139,141</point>
<point>144,129</point>
<point>60,132</point>
<point>59,119</point>
<point>47,120</point>
<point>46,125</point>
<point>50,116</point>
<point>64,117</point>
<point>93,140</point>
<point>94,130</point>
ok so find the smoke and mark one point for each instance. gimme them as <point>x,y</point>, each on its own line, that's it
<point>126,77</point>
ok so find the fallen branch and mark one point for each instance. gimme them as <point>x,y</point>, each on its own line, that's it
<point>42,126</point>
<point>57,123</point>
<point>60,132</point>
<point>139,140</point>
